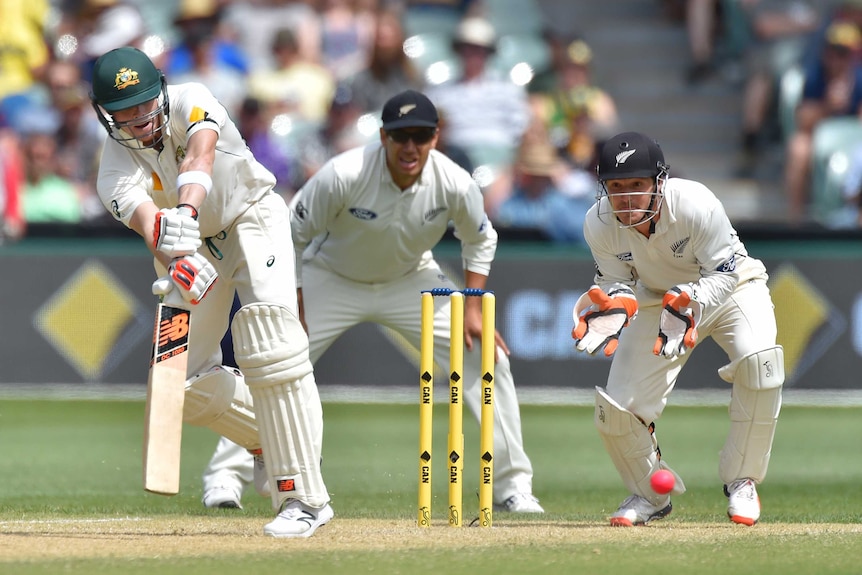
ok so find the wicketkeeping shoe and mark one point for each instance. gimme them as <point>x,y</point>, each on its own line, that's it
<point>298,520</point>
<point>636,510</point>
<point>520,503</point>
<point>222,497</point>
<point>743,505</point>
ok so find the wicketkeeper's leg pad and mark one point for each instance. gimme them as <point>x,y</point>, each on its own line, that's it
<point>754,407</point>
<point>219,399</point>
<point>271,349</point>
<point>632,446</point>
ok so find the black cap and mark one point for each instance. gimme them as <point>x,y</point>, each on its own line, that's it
<point>409,109</point>
<point>630,155</point>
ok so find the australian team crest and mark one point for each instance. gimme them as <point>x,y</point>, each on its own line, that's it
<point>180,154</point>
<point>126,77</point>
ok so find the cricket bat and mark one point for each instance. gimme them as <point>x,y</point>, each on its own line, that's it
<point>163,421</point>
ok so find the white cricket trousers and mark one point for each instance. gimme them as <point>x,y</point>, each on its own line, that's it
<point>333,304</point>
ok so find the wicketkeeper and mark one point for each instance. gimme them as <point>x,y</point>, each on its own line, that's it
<point>671,271</point>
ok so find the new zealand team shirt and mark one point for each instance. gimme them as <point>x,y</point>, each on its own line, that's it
<point>693,242</point>
<point>129,178</point>
<point>352,218</point>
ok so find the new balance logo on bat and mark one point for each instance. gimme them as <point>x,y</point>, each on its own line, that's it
<point>171,335</point>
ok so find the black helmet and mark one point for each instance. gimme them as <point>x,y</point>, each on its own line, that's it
<point>630,155</point>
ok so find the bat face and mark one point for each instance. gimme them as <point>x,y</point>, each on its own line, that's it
<point>163,422</point>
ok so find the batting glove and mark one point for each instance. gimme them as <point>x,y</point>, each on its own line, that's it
<point>677,330</point>
<point>176,232</point>
<point>600,319</point>
<point>194,276</point>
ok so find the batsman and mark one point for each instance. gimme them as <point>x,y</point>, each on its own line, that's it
<point>670,271</point>
<point>176,170</point>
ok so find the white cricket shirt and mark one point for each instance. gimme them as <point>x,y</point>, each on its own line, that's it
<point>128,178</point>
<point>352,217</point>
<point>693,242</point>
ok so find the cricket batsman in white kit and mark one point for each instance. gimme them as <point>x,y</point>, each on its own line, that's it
<point>363,229</point>
<point>177,171</point>
<point>670,271</point>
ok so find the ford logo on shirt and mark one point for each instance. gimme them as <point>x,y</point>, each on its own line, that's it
<point>362,213</point>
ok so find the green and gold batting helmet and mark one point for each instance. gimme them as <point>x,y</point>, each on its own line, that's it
<point>125,78</point>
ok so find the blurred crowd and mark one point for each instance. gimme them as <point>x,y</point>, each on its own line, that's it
<point>799,66</point>
<point>306,79</point>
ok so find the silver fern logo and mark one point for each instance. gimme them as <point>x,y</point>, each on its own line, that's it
<point>623,156</point>
<point>679,247</point>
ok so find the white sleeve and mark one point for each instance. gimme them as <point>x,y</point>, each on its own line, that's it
<point>714,249</point>
<point>312,208</point>
<point>473,228</point>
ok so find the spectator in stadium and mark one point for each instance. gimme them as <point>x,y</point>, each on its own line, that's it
<point>577,114</point>
<point>203,37</point>
<point>537,203</point>
<point>388,71</point>
<point>255,24</point>
<point>225,81</point>
<point>47,197</point>
<point>346,35</point>
<point>486,114</point>
<point>781,31</point>
<point>12,224</point>
<point>832,88</point>
<point>294,85</point>
<point>23,51</point>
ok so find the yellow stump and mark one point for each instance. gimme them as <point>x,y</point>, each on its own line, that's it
<point>486,432</point>
<point>426,408</point>
<point>456,412</point>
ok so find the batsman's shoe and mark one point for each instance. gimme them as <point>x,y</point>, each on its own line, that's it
<point>520,503</point>
<point>298,520</point>
<point>743,505</point>
<point>222,497</point>
<point>636,510</point>
<point>261,482</point>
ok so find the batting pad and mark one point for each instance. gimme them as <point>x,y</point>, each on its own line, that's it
<point>271,349</point>
<point>633,449</point>
<point>754,407</point>
<point>219,399</point>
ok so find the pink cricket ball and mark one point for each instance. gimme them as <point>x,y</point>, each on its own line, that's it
<point>662,481</point>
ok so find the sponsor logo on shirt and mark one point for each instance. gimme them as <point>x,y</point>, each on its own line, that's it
<point>115,209</point>
<point>728,266</point>
<point>625,257</point>
<point>362,213</point>
<point>679,247</point>
<point>484,224</point>
<point>300,211</point>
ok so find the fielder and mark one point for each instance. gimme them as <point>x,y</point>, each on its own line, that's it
<point>176,171</point>
<point>670,270</point>
<point>363,229</point>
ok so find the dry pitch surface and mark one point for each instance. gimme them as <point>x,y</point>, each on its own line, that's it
<point>155,537</point>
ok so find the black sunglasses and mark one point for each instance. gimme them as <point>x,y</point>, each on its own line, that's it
<point>418,135</point>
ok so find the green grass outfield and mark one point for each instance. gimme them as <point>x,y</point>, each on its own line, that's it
<point>71,499</point>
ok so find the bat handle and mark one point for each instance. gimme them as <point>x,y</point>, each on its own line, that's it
<point>169,293</point>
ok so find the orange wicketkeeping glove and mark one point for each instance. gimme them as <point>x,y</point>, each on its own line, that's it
<point>677,330</point>
<point>600,318</point>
